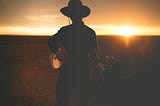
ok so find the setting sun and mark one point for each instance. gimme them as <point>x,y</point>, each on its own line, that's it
<point>126,31</point>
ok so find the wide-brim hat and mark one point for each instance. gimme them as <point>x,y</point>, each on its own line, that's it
<point>75,8</point>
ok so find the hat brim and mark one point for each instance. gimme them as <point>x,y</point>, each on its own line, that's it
<point>82,12</point>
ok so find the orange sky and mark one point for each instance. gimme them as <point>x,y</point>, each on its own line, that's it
<point>108,17</point>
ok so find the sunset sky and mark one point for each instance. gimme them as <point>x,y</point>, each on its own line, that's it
<point>108,17</point>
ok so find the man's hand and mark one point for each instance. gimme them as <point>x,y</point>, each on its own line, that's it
<point>101,66</point>
<point>60,53</point>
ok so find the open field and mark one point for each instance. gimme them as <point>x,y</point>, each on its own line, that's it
<point>27,78</point>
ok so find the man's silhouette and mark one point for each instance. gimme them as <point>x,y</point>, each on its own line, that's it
<point>79,43</point>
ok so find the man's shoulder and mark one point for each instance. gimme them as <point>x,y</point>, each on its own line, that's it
<point>90,29</point>
<point>63,29</point>
<point>66,27</point>
<point>70,27</point>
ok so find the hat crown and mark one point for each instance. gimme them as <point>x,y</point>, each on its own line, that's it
<point>75,4</point>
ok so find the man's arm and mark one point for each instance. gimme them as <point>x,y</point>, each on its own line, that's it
<point>55,41</point>
<point>96,55</point>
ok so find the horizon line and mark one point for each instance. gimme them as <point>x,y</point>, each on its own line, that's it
<point>27,35</point>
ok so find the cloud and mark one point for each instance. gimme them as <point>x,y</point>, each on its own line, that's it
<point>43,20</point>
<point>34,20</point>
<point>140,12</point>
<point>23,30</point>
<point>14,12</point>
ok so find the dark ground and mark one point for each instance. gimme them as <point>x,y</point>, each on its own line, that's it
<point>27,78</point>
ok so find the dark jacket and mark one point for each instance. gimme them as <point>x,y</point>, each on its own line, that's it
<point>79,42</point>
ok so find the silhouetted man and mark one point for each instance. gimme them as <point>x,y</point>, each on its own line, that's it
<point>79,43</point>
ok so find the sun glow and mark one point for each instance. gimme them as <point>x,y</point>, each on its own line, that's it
<point>126,31</point>
<point>104,29</point>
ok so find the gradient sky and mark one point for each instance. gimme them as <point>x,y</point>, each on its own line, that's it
<point>107,16</point>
